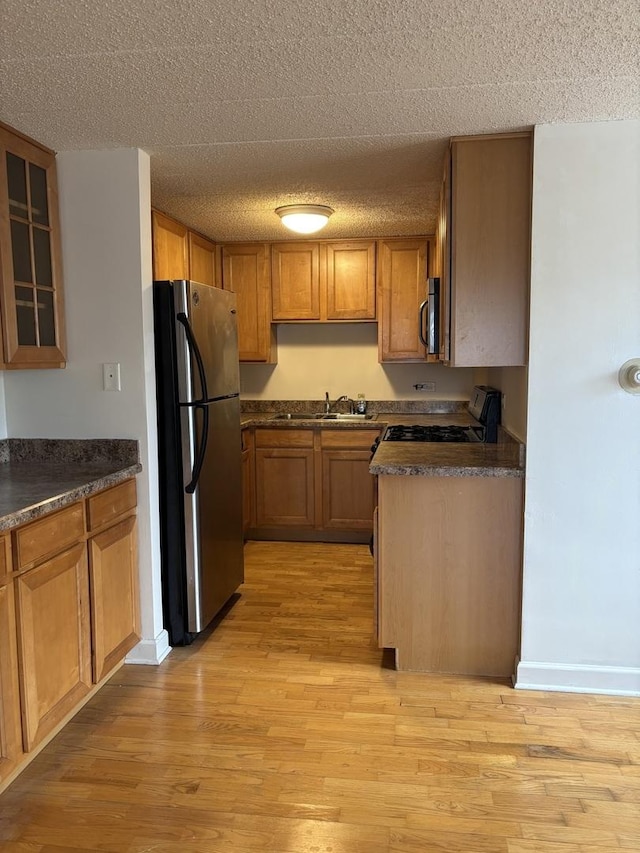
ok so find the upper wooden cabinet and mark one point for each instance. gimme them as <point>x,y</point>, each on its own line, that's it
<point>179,253</point>
<point>30,257</point>
<point>170,248</point>
<point>323,282</point>
<point>245,271</point>
<point>202,260</point>
<point>295,281</point>
<point>402,284</point>
<point>350,280</point>
<point>486,250</point>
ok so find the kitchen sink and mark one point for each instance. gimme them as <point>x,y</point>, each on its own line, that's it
<point>340,417</point>
<point>319,416</point>
<point>298,416</point>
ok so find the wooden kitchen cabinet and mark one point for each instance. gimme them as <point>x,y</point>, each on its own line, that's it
<point>449,557</point>
<point>179,253</point>
<point>350,280</point>
<point>10,728</point>
<point>284,466</point>
<point>323,282</point>
<point>113,575</point>
<point>486,247</point>
<point>402,270</point>
<point>53,641</point>
<point>68,592</point>
<point>170,248</point>
<point>248,479</point>
<point>348,489</point>
<point>202,260</point>
<point>313,484</point>
<point>295,281</point>
<point>33,333</point>
<point>246,272</point>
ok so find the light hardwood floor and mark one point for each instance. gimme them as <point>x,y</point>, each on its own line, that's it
<point>285,730</point>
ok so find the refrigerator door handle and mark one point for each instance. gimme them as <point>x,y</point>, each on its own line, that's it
<point>200,452</point>
<point>193,344</point>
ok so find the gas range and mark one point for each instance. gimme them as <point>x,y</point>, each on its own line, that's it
<point>448,432</point>
<point>484,407</point>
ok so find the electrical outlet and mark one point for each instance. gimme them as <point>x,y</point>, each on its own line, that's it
<point>111,377</point>
<point>425,386</point>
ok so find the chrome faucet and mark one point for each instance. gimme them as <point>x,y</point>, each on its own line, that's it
<point>342,399</point>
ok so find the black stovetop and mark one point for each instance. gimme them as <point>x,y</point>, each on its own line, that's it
<point>444,432</point>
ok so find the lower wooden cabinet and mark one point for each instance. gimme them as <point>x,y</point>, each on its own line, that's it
<point>348,489</point>
<point>449,562</point>
<point>248,480</point>
<point>313,484</point>
<point>115,606</point>
<point>68,598</point>
<point>285,478</point>
<point>53,641</point>
<point>10,729</point>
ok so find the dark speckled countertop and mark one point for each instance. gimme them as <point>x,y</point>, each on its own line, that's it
<point>38,476</point>
<point>504,459</point>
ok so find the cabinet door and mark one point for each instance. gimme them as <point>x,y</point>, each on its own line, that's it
<point>248,481</point>
<point>115,607</point>
<point>490,250</point>
<point>30,257</point>
<point>295,281</point>
<point>402,286</point>
<point>245,271</point>
<point>53,641</point>
<point>170,248</point>
<point>347,490</point>
<point>202,260</point>
<point>351,280</point>
<point>10,731</point>
<point>284,487</point>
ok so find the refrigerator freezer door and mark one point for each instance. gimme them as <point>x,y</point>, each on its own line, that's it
<point>207,340</point>
<point>213,513</point>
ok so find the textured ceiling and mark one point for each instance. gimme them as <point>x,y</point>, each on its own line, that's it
<point>245,105</point>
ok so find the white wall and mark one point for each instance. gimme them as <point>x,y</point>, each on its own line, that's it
<point>581,602</point>
<point>106,253</point>
<point>343,359</point>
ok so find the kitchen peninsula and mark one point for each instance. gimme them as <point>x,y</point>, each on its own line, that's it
<point>69,606</point>
<point>449,554</point>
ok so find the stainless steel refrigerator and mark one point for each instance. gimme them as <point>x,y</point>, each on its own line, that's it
<point>199,448</point>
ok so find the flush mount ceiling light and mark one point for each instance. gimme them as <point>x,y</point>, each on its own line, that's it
<point>304,218</point>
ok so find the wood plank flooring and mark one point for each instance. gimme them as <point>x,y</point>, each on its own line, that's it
<point>286,730</point>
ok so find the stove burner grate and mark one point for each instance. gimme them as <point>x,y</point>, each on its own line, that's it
<point>444,433</point>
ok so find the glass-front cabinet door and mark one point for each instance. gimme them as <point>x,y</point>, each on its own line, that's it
<point>31,274</point>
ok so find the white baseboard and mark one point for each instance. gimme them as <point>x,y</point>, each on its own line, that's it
<point>150,652</point>
<point>578,678</point>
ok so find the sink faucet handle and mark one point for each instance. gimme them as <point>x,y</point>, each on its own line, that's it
<point>327,403</point>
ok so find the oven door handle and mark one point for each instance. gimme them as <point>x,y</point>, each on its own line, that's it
<point>422,325</point>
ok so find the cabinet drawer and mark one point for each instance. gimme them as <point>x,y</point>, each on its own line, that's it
<point>284,438</point>
<point>108,505</point>
<point>49,535</point>
<point>358,438</point>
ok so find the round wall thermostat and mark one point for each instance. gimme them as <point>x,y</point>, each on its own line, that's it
<point>629,376</point>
